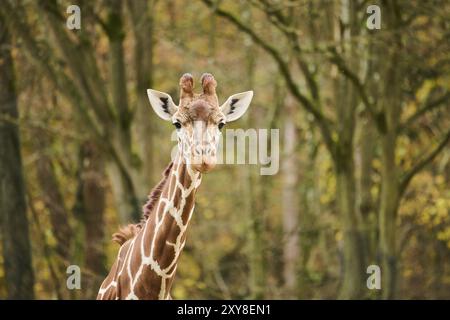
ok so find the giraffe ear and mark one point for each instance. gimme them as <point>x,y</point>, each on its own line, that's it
<point>236,105</point>
<point>162,103</point>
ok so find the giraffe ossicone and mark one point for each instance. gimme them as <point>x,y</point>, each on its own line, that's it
<point>147,260</point>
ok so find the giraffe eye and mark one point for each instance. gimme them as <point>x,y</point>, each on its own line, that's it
<point>221,125</point>
<point>177,125</point>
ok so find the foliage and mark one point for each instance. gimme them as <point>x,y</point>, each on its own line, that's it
<point>337,92</point>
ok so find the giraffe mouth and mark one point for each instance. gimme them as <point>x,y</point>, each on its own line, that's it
<point>203,163</point>
<point>204,167</point>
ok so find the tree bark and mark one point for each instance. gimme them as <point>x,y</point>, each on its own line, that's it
<point>346,104</point>
<point>254,203</point>
<point>365,155</point>
<point>390,189</point>
<point>50,193</point>
<point>142,21</point>
<point>90,209</point>
<point>353,257</point>
<point>52,198</point>
<point>13,211</point>
<point>290,204</point>
<point>121,131</point>
<point>388,212</point>
<point>390,186</point>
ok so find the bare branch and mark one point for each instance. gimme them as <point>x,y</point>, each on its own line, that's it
<point>42,60</point>
<point>428,106</point>
<point>83,66</point>
<point>322,121</point>
<point>281,23</point>
<point>336,59</point>
<point>407,177</point>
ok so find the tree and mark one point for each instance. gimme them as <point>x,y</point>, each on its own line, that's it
<point>108,116</point>
<point>337,135</point>
<point>13,210</point>
<point>338,43</point>
<point>384,102</point>
<point>395,179</point>
<point>90,209</point>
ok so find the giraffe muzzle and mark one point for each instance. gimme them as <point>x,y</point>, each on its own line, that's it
<point>204,163</point>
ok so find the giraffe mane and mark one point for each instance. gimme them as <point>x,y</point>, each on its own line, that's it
<point>129,231</point>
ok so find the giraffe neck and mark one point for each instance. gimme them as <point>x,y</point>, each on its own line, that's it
<point>164,234</point>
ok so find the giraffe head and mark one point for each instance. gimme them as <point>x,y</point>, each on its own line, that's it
<point>198,118</point>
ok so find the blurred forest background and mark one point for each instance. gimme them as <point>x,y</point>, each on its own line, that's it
<point>364,123</point>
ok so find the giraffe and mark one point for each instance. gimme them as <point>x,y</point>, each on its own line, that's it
<point>147,259</point>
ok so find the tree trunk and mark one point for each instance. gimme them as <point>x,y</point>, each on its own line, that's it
<point>13,211</point>
<point>353,257</point>
<point>347,102</point>
<point>50,194</point>
<point>365,155</point>
<point>388,210</point>
<point>290,205</point>
<point>257,260</point>
<point>125,179</point>
<point>52,198</point>
<point>353,250</point>
<point>91,207</point>
<point>367,144</point>
<point>142,26</point>
<point>254,207</point>
<point>390,189</point>
<point>123,189</point>
<point>311,234</point>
